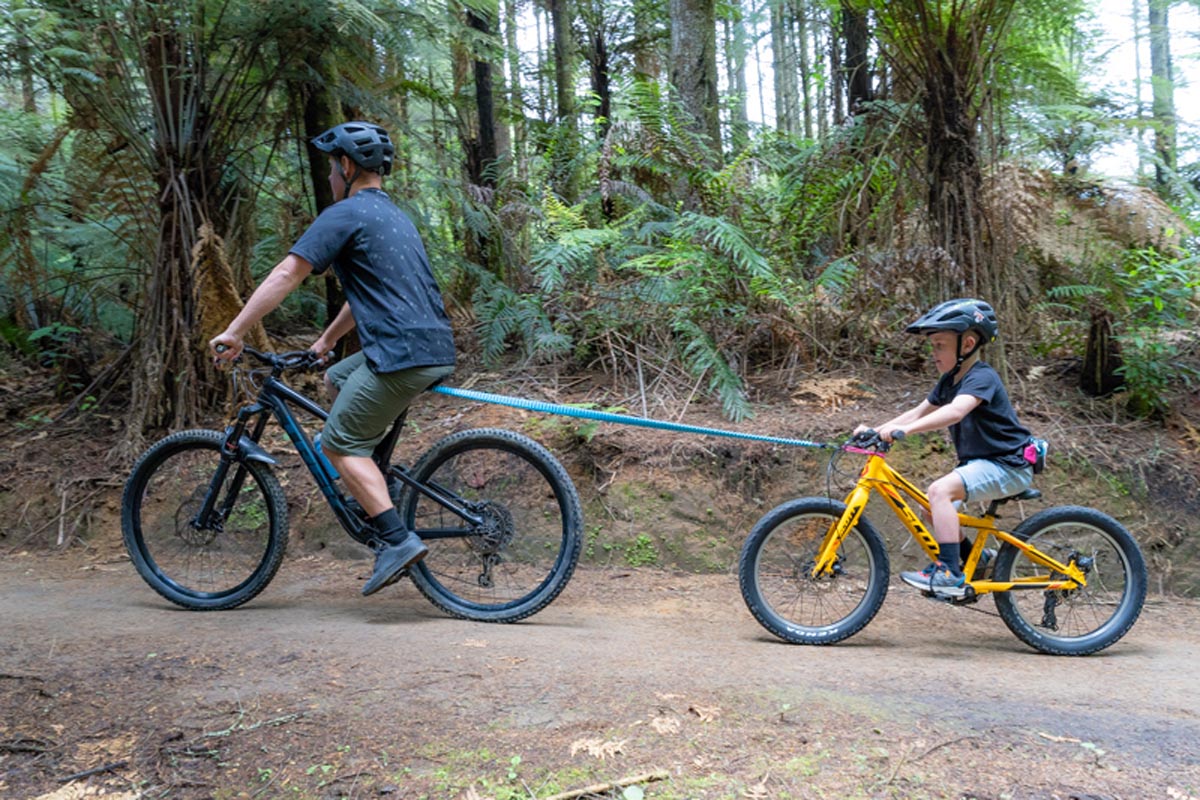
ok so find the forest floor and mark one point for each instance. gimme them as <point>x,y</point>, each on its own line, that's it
<point>647,669</point>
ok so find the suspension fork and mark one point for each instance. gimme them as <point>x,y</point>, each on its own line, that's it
<point>232,455</point>
<point>827,554</point>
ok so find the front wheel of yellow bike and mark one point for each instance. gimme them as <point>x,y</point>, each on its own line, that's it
<point>776,574</point>
<point>1078,621</point>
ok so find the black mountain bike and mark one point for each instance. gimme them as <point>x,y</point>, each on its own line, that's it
<point>205,519</point>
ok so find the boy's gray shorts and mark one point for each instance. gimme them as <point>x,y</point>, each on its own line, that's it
<point>368,402</point>
<point>990,480</point>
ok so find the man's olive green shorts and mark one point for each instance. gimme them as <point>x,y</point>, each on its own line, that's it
<point>368,402</point>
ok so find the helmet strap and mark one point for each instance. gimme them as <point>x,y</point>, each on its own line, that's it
<point>347,182</point>
<point>964,356</point>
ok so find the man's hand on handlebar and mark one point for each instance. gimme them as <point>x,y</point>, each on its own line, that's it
<point>225,347</point>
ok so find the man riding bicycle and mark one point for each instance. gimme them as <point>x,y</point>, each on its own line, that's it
<point>394,302</point>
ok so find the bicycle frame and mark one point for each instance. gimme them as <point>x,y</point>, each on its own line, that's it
<point>276,398</point>
<point>878,476</point>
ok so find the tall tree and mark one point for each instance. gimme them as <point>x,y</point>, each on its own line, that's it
<point>942,57</point>
<point>694,66</point>
<point>785,70</point>
<point>1162,84</point>
<point>736,48</point>
<point>566,146</point>
<point>856,38</point>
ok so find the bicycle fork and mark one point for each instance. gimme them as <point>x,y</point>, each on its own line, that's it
<point>236,449</point>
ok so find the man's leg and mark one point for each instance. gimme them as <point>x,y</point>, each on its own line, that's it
<point>367,403</point>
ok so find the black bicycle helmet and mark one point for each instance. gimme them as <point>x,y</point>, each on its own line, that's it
<point>960,316</point>
<point>367,145</point>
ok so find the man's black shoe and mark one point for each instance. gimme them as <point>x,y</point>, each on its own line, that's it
<point>392,561</point>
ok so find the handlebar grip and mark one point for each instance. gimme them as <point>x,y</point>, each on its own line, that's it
<point>221,348</point>
<point>898,436</point>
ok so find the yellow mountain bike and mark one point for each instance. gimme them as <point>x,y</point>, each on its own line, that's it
<point>1068,580</point>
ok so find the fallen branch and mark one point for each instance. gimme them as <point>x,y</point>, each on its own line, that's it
<point>648,777</point>
<point>24,745</point>
<point>94,771</point>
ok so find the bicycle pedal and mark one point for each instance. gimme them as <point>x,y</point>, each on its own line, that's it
<point>966,599</point>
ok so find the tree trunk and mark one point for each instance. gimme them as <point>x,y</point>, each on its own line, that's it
<point>784,69</point>
<point>600,73</point>
<point>1102,357</point>
<point>1139,105</point>
<point>482,152</point>
<point>564,174</point>
<point>25,66</point>
<point>694,67</point>
<point>1163,87</point>
<point>646,64</point>
<point>516,98</point>
<point>320,113</point>
<point>955,177</point>
<point>735,61</point>
<point>856,67</point>
<point>800,38</point>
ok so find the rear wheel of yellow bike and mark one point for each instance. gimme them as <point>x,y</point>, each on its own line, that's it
<point>775,574</point>
<point>1073,621</point>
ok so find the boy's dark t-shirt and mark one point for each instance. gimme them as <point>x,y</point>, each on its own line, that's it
<point>991,431</point>
<point>378,255</point>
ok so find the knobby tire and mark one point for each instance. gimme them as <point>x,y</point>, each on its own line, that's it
<point>204,570</point>
<point>522,557</point>
<point>774,573</point>
<point>1080,621</point>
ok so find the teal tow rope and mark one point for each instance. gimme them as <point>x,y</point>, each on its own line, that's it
<point>621,419</point>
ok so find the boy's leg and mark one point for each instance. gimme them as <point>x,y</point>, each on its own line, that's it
<point>943,493</point>
<point>944,578</point>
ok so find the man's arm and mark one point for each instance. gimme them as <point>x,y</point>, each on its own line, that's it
<point>286,276</point>
<point>340,326</point>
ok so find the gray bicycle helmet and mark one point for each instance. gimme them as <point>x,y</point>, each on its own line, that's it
<point>960,316</point>
<point>367,145</point>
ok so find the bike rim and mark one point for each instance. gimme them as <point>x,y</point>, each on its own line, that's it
<point>1077,614</point>
<point>204,564</point>
<point>520,547</point>
<point>783,574</point>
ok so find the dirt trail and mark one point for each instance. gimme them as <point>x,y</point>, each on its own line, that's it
<point>314,691</point>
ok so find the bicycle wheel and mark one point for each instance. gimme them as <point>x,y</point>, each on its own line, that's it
<point>522,555</point>
<point>775,574</point>
<point>218,566</point>
<point>1076,621</point>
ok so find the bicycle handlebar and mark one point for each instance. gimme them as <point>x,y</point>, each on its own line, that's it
<point>870,439</point>
<point>291,360</point>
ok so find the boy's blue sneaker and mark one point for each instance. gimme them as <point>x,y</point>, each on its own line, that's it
<point>937,579</point>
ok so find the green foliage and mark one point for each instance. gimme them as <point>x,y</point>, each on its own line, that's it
<point>1157,294</point>
<point>1151,295</point>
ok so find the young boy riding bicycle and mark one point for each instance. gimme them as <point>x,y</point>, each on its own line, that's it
<point>990,442</point>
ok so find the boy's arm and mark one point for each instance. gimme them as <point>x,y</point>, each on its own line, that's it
<point>913,414</point>
<point>934,417</point>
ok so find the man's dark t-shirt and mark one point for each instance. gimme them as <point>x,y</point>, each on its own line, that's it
<point>377,254</point>
<point>991,431</point>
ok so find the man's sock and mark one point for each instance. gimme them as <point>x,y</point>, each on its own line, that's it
<point>389,527</point>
